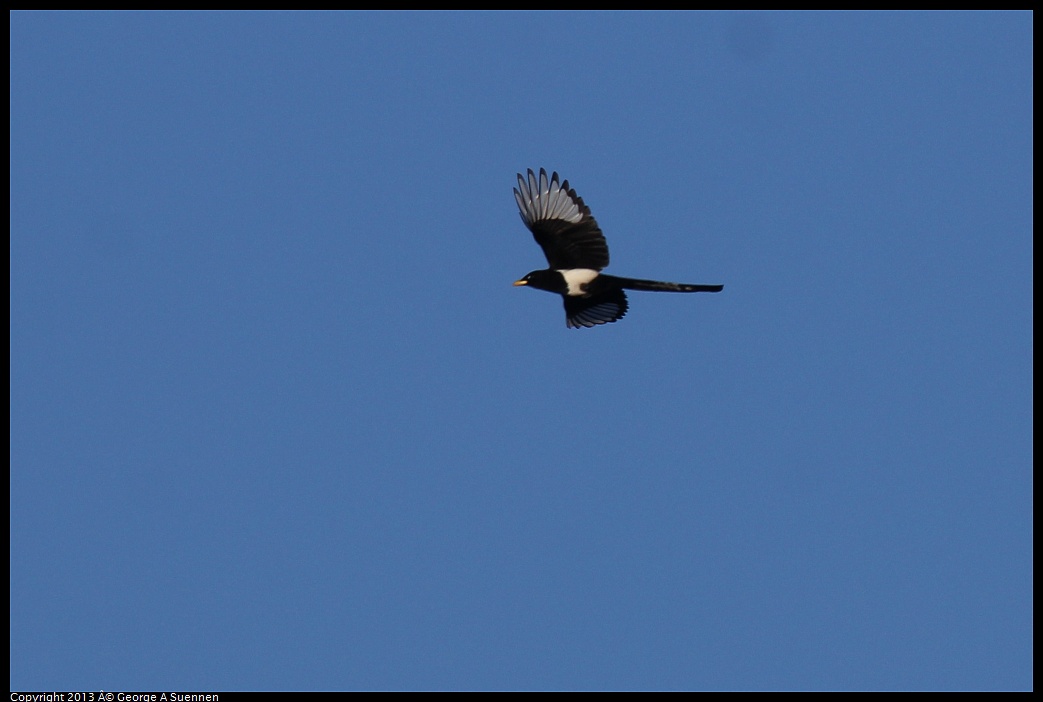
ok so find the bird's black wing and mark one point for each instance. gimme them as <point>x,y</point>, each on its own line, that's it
<point>560,222</point>
<point>592,310</point>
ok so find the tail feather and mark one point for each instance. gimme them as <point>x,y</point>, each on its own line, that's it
<point>658,286</point>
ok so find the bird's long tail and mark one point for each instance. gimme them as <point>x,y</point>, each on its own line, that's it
<point>655,285</point>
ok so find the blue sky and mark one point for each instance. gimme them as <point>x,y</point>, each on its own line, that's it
<point>279,421</point>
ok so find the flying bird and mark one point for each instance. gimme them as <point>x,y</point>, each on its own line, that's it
<point>576,252</point>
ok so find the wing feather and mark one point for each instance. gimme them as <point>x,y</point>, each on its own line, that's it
<point>592,310</point>
<point>560,222</point>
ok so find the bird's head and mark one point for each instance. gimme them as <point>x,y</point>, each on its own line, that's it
<point>549,280</point>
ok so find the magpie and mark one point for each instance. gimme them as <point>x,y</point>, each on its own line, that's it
<point>576,252</point>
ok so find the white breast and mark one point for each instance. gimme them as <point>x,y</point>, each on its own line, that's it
<point>577,278</point>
